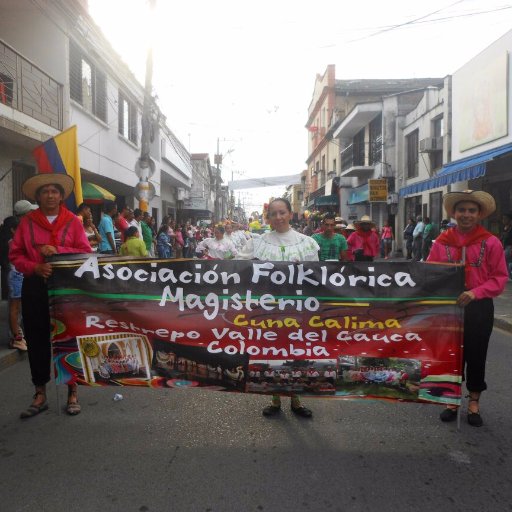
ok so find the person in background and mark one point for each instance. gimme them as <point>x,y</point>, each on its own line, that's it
<point>444,225</point>
<point>239,237</point>
<point>218,247</point>
<point>147,234</point>
<point>15,281</point>
<point>333,246</point>
<point>417,238</point>
<point>346,232</point>
<point>83,211</point>
<point>387,238</point>
<point>133,245</point>
<point>136,221</point>
<point>164,240</point>
<point>282,244</point>
<point>408,237</point>
<point>49,230</point>
<point>485,278</point>
<point>189,248</point>
<point>506,240</point>
<point>93,235</point>
<point>429,234</point>
<point>122,221</point>
<point>364,242</point>
<point>107,244</point>
<point>179,242</point>
<point>20,208</point>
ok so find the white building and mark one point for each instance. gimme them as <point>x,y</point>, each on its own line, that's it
<point>57,70</point>
<point>478,141</point>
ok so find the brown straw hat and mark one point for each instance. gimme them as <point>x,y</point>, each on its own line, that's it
<point>32,184</point>
<point>483,199</point>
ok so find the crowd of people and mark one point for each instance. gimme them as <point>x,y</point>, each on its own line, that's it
<point>38,231</point>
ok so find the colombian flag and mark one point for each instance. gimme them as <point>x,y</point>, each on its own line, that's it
<point>60,155</point>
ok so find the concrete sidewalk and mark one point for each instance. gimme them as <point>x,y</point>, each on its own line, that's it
<point>502,320</point>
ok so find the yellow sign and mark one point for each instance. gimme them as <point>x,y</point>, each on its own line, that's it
<point>378,190</point>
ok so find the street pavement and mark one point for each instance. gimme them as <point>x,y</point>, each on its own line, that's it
<point>190,450</point>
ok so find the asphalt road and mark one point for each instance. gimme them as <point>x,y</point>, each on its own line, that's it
<point>193,450</point>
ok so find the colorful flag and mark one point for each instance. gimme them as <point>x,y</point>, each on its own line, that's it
<point>60,155</point>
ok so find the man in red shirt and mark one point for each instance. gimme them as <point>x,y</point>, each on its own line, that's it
<point>364,242</point>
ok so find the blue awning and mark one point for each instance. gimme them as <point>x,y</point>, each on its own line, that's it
<point>359,194</point>
<point>468,168</point>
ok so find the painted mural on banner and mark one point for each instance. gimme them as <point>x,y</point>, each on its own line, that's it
<point>388,330</point>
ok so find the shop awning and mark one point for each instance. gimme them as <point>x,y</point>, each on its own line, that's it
<point>94,194</point>
<point>464,169</point>
<point>331,200</point>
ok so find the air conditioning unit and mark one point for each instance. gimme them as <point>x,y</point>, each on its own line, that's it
<point>431,144</point>
<point>392,198</point>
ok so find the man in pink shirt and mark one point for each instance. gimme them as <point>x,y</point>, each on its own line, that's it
<point>364,242</point>
<point>485,278</point>
<point>49,230</point>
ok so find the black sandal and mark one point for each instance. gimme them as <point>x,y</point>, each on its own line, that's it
<point>448,414</point>
<point>33,410</point>
<point>302,411</point>
<point>474,418</point>
<point>271,410</point>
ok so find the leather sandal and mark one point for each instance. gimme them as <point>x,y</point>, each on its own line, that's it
<point>73,407</point>
<point>302,411</point>
<point>33,410</point>
<point>474,418</point>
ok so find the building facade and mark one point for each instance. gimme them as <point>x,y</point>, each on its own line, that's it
<point>75,78</point>
<point>351,132</point>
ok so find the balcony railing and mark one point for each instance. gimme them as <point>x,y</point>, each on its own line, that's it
<point>25,87</point>
<point>354,155</point>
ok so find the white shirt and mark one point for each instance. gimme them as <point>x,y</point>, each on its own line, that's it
<point>218,249</point>
<point>274,246</point>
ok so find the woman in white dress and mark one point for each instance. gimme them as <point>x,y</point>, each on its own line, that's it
<point>218,247</point>
<point>281,244</point>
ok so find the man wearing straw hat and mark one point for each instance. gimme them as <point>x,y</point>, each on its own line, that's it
<point>51,229</point>
<point>364,243</point>
<point>485,278</point>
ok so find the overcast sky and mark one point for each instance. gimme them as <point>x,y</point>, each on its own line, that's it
<point>243,72</point>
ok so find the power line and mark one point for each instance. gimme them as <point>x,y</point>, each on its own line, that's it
<point>411,22</point>
<point>422,20</point>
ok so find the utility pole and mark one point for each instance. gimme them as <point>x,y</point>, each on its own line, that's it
<point>145,167</point>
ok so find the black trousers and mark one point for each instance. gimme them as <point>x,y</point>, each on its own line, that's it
<point>478,323</point>
<point>36,324</point>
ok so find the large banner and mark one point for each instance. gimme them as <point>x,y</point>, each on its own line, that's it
<point>323,329</point>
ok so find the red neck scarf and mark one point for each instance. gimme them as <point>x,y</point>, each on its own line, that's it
<point>365,237</point>
<point>451,238</point>
<point>62,219</point>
